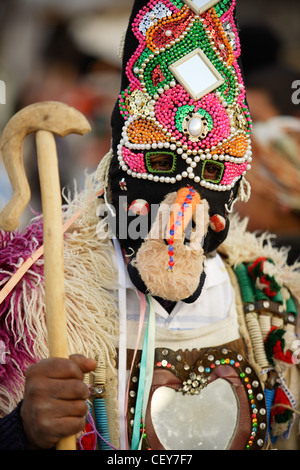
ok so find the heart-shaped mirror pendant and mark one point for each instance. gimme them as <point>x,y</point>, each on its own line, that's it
<point>189,421</point>
<point>210,402</point>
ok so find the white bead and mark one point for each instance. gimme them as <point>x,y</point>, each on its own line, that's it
<point>195,126</point>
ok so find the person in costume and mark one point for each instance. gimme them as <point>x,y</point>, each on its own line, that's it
<point>189,320</point>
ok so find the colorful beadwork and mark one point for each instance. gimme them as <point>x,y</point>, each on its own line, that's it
<point>160,113</point>
<point>177,224</point>
<point>134,161</point>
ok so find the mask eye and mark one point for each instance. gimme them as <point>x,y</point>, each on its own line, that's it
<point>212,171</point>
<point>160,162</point>
<point>139,207</point>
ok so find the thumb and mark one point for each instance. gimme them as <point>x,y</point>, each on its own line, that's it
<point>84,363</point>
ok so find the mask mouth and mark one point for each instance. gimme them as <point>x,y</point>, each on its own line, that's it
<point>170,260</point>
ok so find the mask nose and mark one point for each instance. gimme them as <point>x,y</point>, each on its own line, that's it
<point>186,202</point>
<point>184,207</point>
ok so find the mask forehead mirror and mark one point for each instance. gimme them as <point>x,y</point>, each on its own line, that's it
<point>199,6</point>
<point>196,74</point>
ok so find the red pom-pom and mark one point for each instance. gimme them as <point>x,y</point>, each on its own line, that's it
<point>88,439</point>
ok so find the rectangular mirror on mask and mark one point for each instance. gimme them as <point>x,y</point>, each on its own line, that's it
<point>196,74</point>
<point>199,6</point>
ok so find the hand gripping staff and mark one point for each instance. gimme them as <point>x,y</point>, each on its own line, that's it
<point>44,119</point>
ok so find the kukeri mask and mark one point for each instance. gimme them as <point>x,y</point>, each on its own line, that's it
<point>181,136</point>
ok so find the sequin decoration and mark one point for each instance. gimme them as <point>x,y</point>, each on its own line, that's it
<point>159,112</point>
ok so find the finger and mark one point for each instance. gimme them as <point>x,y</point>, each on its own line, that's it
<point>70,389</point>
<point>64,427</point>
<point>84,363</point>
<point>69,426</point>
<point>71,408</point>
<point>60,368</point>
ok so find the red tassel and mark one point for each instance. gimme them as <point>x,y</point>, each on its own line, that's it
<point>88,440</point>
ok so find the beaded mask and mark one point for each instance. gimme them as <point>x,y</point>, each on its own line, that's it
<point>181,120</point>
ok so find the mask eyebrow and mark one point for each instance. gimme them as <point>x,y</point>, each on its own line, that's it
<point>160,162</point>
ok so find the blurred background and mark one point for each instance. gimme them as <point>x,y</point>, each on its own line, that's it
<point>68,50</point>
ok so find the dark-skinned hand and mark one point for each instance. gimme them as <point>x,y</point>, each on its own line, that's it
<point>54,404</point>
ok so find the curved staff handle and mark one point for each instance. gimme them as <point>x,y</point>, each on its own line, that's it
<point>44,118</point>
<point>52,116</point>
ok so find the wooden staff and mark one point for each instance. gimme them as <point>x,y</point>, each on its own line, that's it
<point>44,119</point>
